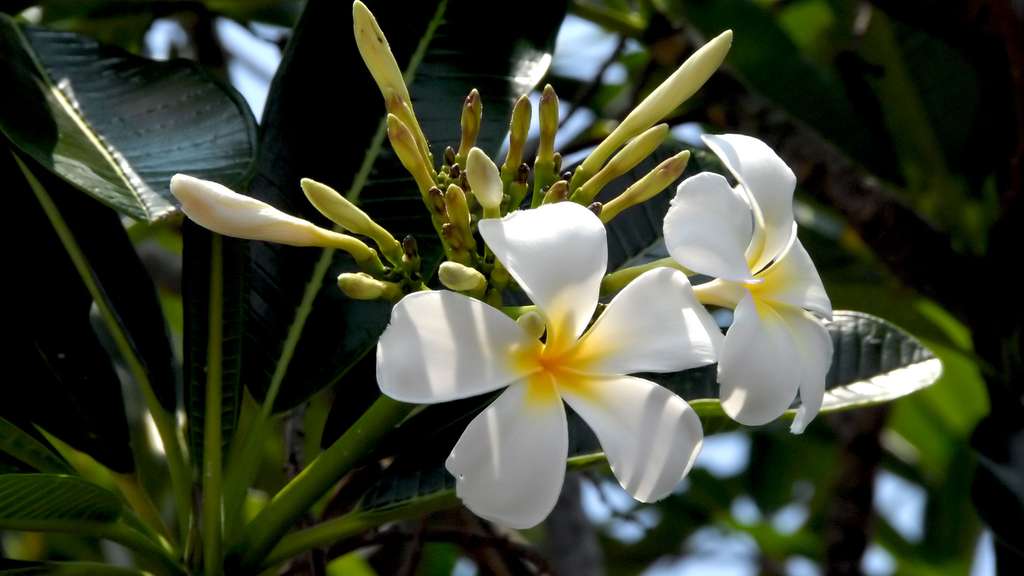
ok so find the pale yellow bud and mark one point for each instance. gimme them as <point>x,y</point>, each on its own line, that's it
<point>360,286</point>
<point>221,210</point>
<point>632,153</point>
<point>484,180</point>
<point>347,215</point>
<point>376,53</point>
<point>548,113</point>
<point>405,147</point>
<point>682,84</point>
<point>472,113</point>
<point>460,278</point>
<point>532,323</point>
<point>647,187</point>
<point>519,129</point>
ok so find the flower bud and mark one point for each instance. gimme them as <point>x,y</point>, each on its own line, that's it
<point>519,128</point>
<point>647,187</point>
<point>682,84</point>
<point>455,276</point>
<point>484,180</point>
<point>458,215</point>
<point>532,323</point>
<point>376,53</point>
<point>625,160</point>
<point>221,210</point>
<point>347,215</point>
<point>361,286</point>
<point>472,112</point>
<point>557,192</point>
<point>548,112</point>
<point>405,147</point>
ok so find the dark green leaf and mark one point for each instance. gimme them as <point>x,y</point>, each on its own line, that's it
<point>302,334</point>
<point>67,384</point>
<point>28,449</point>
<point>118,126</point>
<point>25,568</point>
<point>874,362</point>
<point>198,269</point>
<point>34,500</point>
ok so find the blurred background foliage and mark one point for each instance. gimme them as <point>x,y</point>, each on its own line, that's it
<point>903,121</point>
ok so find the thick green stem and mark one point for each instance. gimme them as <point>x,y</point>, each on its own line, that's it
<point>316,479</point>
<point>617,280</point>
<point>212,556</point>
<point>181,479</point>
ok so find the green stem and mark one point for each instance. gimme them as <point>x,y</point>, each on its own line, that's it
<point>167,428</point>
<point>353,524</point>
<point>316,479</point>
<point>361,520</point>
<point>617,280</point>
<point>212,556</point>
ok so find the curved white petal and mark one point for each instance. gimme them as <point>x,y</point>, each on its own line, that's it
<point>509,464</point>
<point>224,211</point>
<point>759,368</point>
<point>443,346</point>
<point>814,345</point>
<point>708,227</point>
<point>650,436</point>
<point>652,325</point>
<point>794,280</point>
<point>558,254</point>
<point>769,180</point>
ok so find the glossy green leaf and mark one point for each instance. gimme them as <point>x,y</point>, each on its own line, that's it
<point>114,125</point>
<point>302,334</point>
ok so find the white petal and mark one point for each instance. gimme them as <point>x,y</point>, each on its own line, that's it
<point>558,254</point>
<point>443,346</point>
<point>218,208</point>
<point>759,368</point>
<point>509,464</point>
<point>794,280</point>
<point>768,179</point>
<point>650,436</point>
<point>815,347</point>
<point>708,227</point>
<point>652,325</point>
<point>484,179</point>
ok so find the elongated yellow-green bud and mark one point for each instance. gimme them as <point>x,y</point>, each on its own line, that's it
<point>647,187</point>
<point>682,84</point>
<point>455,276</point>
<point>376,53</point>
<point>405,146</point>
<point>458,215</point>
<point>360,286</point>
<point>220,209</point>
<point>519,128</point>
<point>485,182</point>
<point>633,153</point>
<point>472,113</point>
<point>347,215</point>
<point>548,113</point>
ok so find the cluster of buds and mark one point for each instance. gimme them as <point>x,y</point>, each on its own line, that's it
<point>467,186</point>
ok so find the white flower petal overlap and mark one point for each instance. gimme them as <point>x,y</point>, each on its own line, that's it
<point>510,462</point>
<point>774,347</point>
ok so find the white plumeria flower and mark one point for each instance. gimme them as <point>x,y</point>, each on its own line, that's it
<point>510,461</point>
<point>745,237</point>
